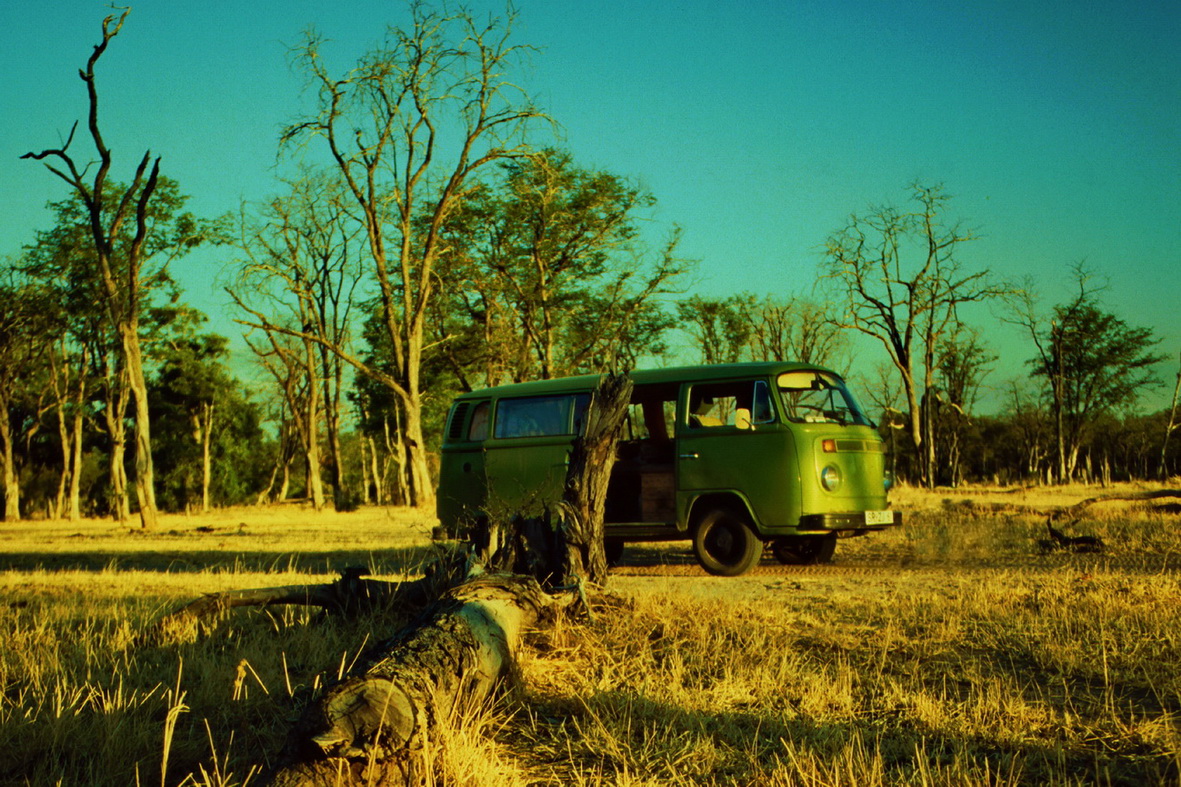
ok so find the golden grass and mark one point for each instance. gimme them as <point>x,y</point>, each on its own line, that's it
<point>950,651</point>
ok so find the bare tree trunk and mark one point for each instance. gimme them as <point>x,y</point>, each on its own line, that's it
<point>914,424</point>
<point>75,498</point>
<point>63,478</point>
<point>1171,427</point>
<point>74,461</point>
<point>1057,383</point>
<point>340,494</point>
<point>61,397</point>
<point>926,448</point>
<point>363,447</point>
<point>265,495</point>
<point>116,403</point>
<point>118,477</point>
<point>1071,462</point>
<point>422,486</point>
<point>396,447</point>
<point>311,437</point>
<point>207,409</point>
<point>587,478</point>
<point>377,472</point>
<point>12,491</point>
<point>333,373</point>
<point>286,453</point>
<point>285,486</point>
<point>145,487</point>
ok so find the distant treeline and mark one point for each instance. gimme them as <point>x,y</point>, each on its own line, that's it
<point>423,244</point>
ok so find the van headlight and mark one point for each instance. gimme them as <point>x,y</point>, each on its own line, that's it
<point>830,478</point>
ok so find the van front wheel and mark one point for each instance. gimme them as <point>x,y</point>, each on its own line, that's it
<point>725,543</point>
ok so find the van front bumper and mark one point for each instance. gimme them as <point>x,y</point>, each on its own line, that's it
<point>858,521</point>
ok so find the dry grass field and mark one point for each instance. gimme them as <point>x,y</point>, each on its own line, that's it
<point>951,651</point>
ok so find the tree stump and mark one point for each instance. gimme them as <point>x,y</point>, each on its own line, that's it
<point>564,546</point>
<point>374,727</point>
<point>585,497</point>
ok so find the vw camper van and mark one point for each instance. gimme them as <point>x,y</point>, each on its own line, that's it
<point>738,458</point>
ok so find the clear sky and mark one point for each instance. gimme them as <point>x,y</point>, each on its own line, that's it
<point>760,126</point>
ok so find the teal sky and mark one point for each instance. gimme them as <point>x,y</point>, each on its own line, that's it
<point>760,126</point>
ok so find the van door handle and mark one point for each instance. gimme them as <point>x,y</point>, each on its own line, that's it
<point>693,455</point>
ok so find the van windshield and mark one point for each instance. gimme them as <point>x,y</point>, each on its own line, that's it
<point>818,398</point>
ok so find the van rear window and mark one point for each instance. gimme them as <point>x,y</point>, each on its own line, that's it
<point>540,416</point>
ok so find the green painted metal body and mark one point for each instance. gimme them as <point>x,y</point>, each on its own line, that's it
<point>498,459</point>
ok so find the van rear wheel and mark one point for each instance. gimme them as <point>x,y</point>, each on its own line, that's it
<point>725,544</point>
<point>804,550</point>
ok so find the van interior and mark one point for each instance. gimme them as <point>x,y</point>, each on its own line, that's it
<point>643,482</point>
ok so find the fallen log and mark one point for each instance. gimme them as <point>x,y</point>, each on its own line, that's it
<point>1073,512</point>
<point>1060,540</point>
<point>374,728</point>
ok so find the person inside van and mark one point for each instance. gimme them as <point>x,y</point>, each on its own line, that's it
<point>702,414</point>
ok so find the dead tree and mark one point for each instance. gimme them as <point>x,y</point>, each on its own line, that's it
<point>585,496</point>
<point>564,546</point>
<point>373,727</point>
<point>1075,511</point>
<point>119,271</point>
<point>352,594</point>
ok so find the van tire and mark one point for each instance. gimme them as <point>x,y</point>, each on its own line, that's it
<point>804,550</point>
<point>725,544</point>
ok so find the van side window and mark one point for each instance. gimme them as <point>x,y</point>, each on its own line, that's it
<point>536,416</point>
<point>478,427</point>
<point>713,405</point>
<point>581,403</point>
<point>455,420</point>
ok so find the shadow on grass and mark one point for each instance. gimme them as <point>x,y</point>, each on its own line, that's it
<point>665,553</point>
<point>381,561</point>
<point>246,674</point>
<point>653,740</point>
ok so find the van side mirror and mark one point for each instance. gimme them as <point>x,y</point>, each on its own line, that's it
<point>742,418</point>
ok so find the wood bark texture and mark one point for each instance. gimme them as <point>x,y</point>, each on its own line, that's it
<point>375,727</point>
<point>564,545</point>
<point>585,497</point>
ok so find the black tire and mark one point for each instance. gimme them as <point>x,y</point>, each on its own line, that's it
<point>725,544</point>
<point>613,549</point>
<point>804,550</point>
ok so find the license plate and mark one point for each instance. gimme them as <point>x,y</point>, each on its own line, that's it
<point>879,517</point>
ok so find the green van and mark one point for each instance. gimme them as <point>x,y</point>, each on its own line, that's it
<point>736,457</point>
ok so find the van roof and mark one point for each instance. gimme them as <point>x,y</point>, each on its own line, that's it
<point>676,374</point>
